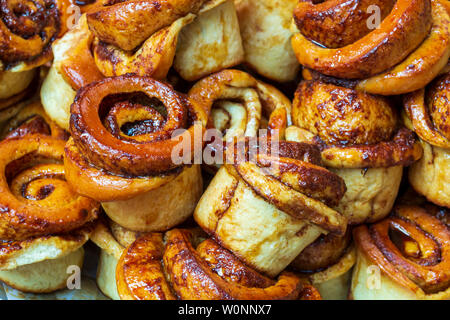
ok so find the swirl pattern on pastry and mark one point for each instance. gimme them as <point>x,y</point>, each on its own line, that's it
<point>406,51</point>
<point>412,249</point>
<point>238,105</point>
<point>27,30</point>
<point>197,270</point>
<point>36,199</point>
<point>428,111</point>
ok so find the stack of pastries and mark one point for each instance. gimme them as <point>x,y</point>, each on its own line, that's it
<point>227,149</point>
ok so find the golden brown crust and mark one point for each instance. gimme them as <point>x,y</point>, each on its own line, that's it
<point>77,65</point>
<point>131,155</point>
<point>299,188</point>
<point>130,147</point>
<point>28,30</point>
<point>421,66</point>
<point>354,129</point>
<point>153,58</point>
<point>408,60</point>
<point>338,115</point>
<point>194,273</point>
<point>37,200</point>
<point>14,253</point>
<point>410,247</point>
<point>266,37</point>
<point>257,98</point>
<point>128,24</point>
<point>397,36</point>
<point>335,24</point>
<point>267,205</point>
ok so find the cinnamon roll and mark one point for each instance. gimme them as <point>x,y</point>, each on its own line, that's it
<point>127,151</point>
<point>360,141</point>
<point>328,263</point>
<point>183,265</point>
<point>35,198</point>
<point>405,256</point>
<point>427,113</point>
<point>268,207</point>
<point>210,43</point>
<point>27,30</point>
<point>198,38</point>
<point>239,105</point>
<point>15,89</point>
<point>266,37</point>
<point>400,53</point>
<point>209,37</point>
<point>43,224</point>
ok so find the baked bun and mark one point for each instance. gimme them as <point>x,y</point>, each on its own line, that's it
<point>360,141</point>
<point>125,132</point>
<point>401,54</point>
<point>409,253</point>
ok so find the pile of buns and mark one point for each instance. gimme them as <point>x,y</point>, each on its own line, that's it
<point>333,179</point>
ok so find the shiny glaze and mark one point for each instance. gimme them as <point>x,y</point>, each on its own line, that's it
<point>185,267</point>
<point>353,129</point>
<point>128,24</point>
<point>296,187</point>
<point>335,24</point>
<point>411,247</point>
<point>398,35</point>
<point>322,253</point>
<point>116,155</point>
<point>28,29</point>
<point>239,88</point>
<point>38,200</point>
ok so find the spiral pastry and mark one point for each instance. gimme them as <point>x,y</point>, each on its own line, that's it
<point>198,270</point>
<point>410,254</point>
<point>360,141</point>
<point>400,53</point>
<point>427,113</point>
<point>197,38</point>
<point>35,198</point>
<point>148,42</point>
<point>328,263</point>
<point>238,105</point>
<point>32,119</point>
<point>128,134</point>
<point>266,37</point>
<point>27,30</point>
<point>268,207</point>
